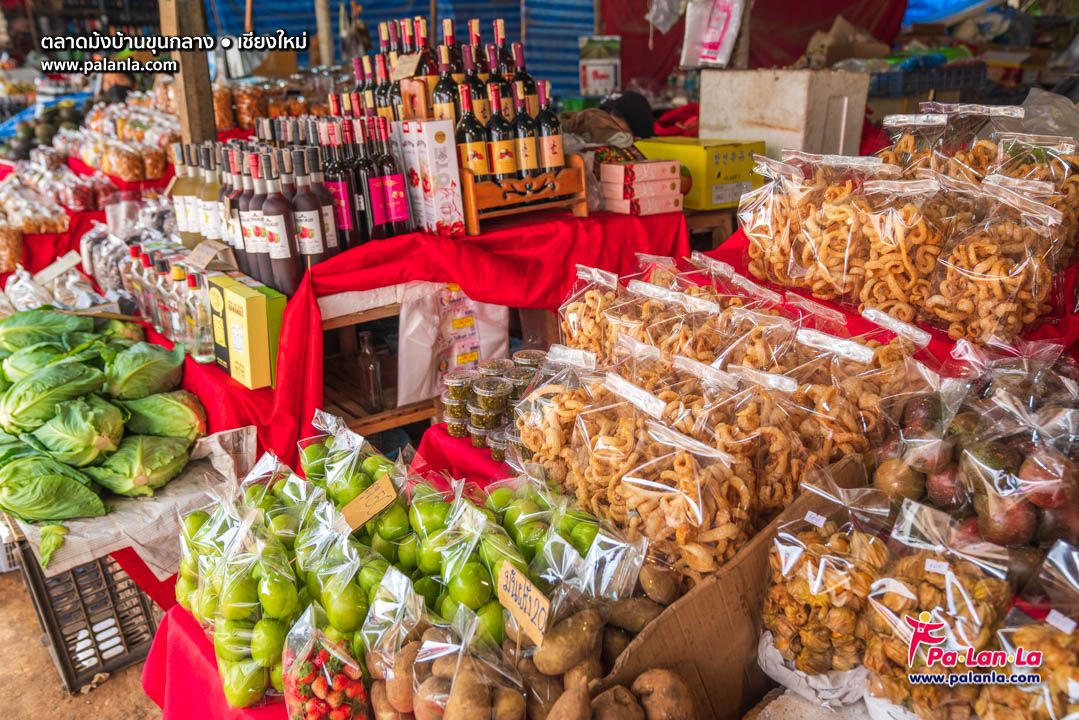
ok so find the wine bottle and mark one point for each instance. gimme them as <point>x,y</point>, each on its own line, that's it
<point>477,89</point>
<point>318,188</point>
<point>505,57</point>
<point>339,182</point>
<point>504,88</point>
<point>525,133</point>
<point>502,147</point>
<point>427,67</point>
<point>237,189</point>
<point>395,38</point>
<point>521,75</point>
<point>243,210</point>
<point>384,93</point>
<point>383,38</point>
<point>449,39</point>
<point>444,96</point>
<point>389,188</point>
<point>550,132</point>
<point>277,214</point>
<point>407,47</point>
<point>350,160</point>
<point>363,169</point>
<point>211,188</point>
<point>260,166</point>
<point>479,55</point>
<point>471,138</point>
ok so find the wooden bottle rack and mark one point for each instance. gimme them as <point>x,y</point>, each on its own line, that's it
<point>564,188</point>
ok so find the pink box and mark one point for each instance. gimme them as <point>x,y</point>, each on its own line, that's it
<point>441,182</point>
<point>638,170</point>
<point>644,206</point>
<point>638,189</point>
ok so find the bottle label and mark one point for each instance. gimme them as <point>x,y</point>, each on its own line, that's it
<point>277,237</point>
<point>361,206</point>
<point>483,78</point>
<point>551,156</point>
<point>377,187</point>
<point>329,227</point>
<point>179,204</point>
<point>309,231</point>
<point>211,220</point>
<point>474,157</point>
<point>247,229</point>
<point>445,111</point>
<point>532,104</point>
<point>526,153</point>
<point>503,157</point>
<point>481,107</point>
<point>396,198</point>
<point>386,111</point>
<point>237,231</point>
<point>508,110</point>
<point>342,211</point>
<point>258,232</point>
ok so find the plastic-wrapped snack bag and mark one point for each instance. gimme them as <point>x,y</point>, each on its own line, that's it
<point>1040,637</point>
<point>756,340</point>
<point>321,678</point>
<point>24,293</point>
<point>582,317</point>
<point>967,150</point>
<point>914,138</point>
<point>1064,235</point>
<point>941,581</point>
<point>732,289</point>
<point>643,307</point>
<point>773,217</point>
<point>823,567</point>
<point>815,316</point>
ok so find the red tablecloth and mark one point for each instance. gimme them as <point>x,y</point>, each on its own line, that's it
<point>439,452</point>
<point>180,675</point>
<point>1063,329</point>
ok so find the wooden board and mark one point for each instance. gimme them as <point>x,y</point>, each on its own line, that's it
<point>340,397</point>
<point>194,100</point>
<point>488,199</point>
<point>356,318</point>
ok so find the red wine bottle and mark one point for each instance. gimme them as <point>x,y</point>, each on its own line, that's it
<point>389,187</point>
<point>505,90</point>
<point>479,55</point>
<point>339,182</point>
<point>525,132</point>
<point>449,39</point>
<point>318,187</point>
<point>471,138</point>
<point>444,96</point>
<point>501,143</point>
<point>277,214</point>
<point>551,156</point>
<point>521,75</point>
<point>307,215</point>
<point>505,57</point>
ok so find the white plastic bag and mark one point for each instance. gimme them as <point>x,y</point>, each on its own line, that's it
<point>711,30</point>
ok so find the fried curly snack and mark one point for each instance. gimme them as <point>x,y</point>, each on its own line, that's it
<point>581,317</point>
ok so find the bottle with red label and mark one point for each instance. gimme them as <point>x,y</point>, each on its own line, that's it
<point>242,203</point>
<point>505,90</point>
<point>338,180</point>
<point>501,140</point>
<point>260,166</point>
<point>427,67</point>
<point>277,215</point>
<point>444,97</point>
<point>475,42</point>
<point>550,132</point>
<point>389,187</point>
<point>407,46</point>
<point>385,90</point>
<point>477,89</point>
<point>355,156</point>
<point>526,133</point>
<point>521,75</point>
<point>471,138</point>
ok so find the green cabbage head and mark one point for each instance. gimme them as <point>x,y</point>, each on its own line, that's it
<point>26,360</point>
<point>29,327</point>
<point>31,402</point>
<point>36,487</point>
<point>144,369</point>
<point>175,414</point>
<point>142,464</point>
<point>83,431</point>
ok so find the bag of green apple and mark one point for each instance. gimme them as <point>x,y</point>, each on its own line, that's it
<point>187,582</point>
<point>207,548</point>
<point>259,600</point>
<point>339,460</point>
<point>459,670</point>
<point>322,677</point>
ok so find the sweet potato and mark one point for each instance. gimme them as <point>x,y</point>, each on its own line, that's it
<point>542,691</point>
<point>568,642</point>
<point>430,698</point>
<point>573,705</point>
<point>617,703</point>
<point>377,665</point>
<point>509,704</point>
<point>659,583</point>
<point>380,703</point>
<point>437,635</point>
<point>614,642</point>
<point>445,666</point>
<point>399,683</point>
<point>633,614</point>
<point>583,672</point>
<point>470,696</point>
<point>664,695</point>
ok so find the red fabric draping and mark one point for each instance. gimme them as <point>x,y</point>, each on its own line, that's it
<point>439,452</point>
<point>526,263</point>
<point>681,121</point>
<point>234,134</point>
<point>180,675</point>
<point>646,57</point>
<point>41,249</point>
<point>1063,329</point>
<point>80,168</point>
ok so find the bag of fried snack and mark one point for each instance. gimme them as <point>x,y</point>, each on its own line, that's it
<point>459,674</point>
<point>1063,236</point>
<point>545,418</point>
<point>967,150</point>
<point>581,316</point>
<point>814,315</point>
<point>823,567</point>
<point>651,314</point>
<point>942,581</point>
<point>914,138</point>
<point>1040,637</point>
<point>731,288</point>
<point>772,217</point>
<point>992,281</point>
<point>755,340</point>
<point>904,245</point>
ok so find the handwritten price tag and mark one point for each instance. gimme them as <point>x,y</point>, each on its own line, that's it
<point>370,502</point>
<point>1060,621</point>
<point>528,606</point>
<point>816,519</point>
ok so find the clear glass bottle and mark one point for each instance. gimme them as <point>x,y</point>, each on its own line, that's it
<point>162,286</point>
<point>127,268</point>
<point>147,301</point>
<point>197,319</point>
<point>175,301</point>
<point>370,375</point>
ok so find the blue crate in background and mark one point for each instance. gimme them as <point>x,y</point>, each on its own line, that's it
<point>903,83</point>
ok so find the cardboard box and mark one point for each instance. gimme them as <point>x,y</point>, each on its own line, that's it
<point>216,288</point>
<point>641,189</point>
<point>709,636</point>
<point>250,316</point>
<point>722,170</point>
<point>645,205</point>
<point>409,132</point>
<point>275,313</point>
<point>437,150</point>
<point>633,171</point>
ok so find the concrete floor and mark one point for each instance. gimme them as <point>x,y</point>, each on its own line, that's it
<point>30,685</point>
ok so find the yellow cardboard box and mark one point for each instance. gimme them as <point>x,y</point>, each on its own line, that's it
<point>248,338</point>
<point>721,169</point>
<point>216,290</point>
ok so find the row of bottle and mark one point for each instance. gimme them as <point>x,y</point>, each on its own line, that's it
<point>170,298</point>
<point>323,187</point>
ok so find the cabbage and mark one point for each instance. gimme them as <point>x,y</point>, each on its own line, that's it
<point>26,360</point>
<point>32,401</point>
<point>121,329</point>
<point>142,464</point>
<point>52,537</point>
<point>175,414</point>
<point>36,487</point>
<point>82,432</point>
<point>29,327</point>
<point>144,369</point>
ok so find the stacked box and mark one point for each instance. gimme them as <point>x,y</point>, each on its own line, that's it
<point>441,181</point>
<point>722,170</point>
<point>637,187</point>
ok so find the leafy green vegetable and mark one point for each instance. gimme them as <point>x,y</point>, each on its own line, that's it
<point>82,432</point>
<point>26,360</point>
<point>36,487</point>
<point>32,401</point>
<point>142,464</point>
<point>175,414</point>
<point>120,329</point>
<point>29,327</point>
<point>52,537</point>
<point>144,369</point>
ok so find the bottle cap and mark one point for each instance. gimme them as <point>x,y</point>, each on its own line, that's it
<point>135,251</point>
<point>178,272</point>
<point>299,167</point>
<point>192,280</point>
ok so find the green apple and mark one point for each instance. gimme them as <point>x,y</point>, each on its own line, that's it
<point>427,517</point>
<point>471,585</point>
<point>267,641</point>
<point>244,682</point>
<point>189,567</point>
<point>393,523</point>
<point>376,466</point>
<point>583,536</point>
<point>428,588</point>
<point>313,460</point>
<point>447,607</point>
<point>371,574</point>
<point>240,598</point>
<point>408,551</point>
<point>491,617</point>
<point>343,487</point>
<point>277,677</point>
<point>193,521</point>
<point>499,499</point>
<point>278,594</point>
<point>345,605</point>
<point>530,538</point>
<point>232,639</point>
<point>429,560</point>
<point>185,590</point>
<point>386,548</point>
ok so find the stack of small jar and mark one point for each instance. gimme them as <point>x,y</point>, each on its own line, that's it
<point>479,402</point>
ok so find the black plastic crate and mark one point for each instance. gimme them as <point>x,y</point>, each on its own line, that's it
<point>10,559</point>
<point>902,83</point>
<point>95,618</point>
